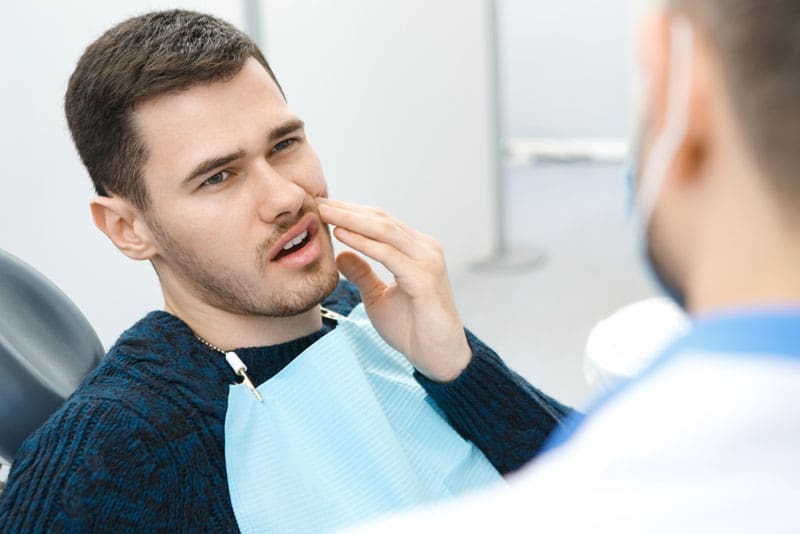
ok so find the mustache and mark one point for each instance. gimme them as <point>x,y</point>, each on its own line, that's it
<point>281,227</point>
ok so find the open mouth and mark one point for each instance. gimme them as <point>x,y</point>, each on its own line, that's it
<point>293,245</point>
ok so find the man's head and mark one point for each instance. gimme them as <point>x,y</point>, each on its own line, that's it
<point>719,137</point>
<point>141,58</point>
<point>200,166</point>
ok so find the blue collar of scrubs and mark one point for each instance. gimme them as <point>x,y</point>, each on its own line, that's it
<point>760,331</point>
<point>751,333</point>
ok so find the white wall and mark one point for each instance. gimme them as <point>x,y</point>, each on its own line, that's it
<point>566,67</point>
<point>394,93</point>
<point>44,200</point>
<point>396,97</point>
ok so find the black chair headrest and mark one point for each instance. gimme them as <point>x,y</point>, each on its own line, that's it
<point>46,347</point>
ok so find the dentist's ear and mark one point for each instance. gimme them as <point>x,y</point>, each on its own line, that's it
<point>654,45</point>
<point>706,97</point>
<point>124,226</point>
<point>658,49</point>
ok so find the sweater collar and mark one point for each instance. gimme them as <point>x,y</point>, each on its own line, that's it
<point>262,362</point>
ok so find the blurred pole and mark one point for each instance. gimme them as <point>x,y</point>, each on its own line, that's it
<point>505,257</point>
<point>252,22</point>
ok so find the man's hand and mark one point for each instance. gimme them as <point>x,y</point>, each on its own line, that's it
<point>416,315</point>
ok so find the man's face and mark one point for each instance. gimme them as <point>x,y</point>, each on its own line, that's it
<point>232,182</point>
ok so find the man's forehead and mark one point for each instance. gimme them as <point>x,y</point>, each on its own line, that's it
<point>251,87</point>
<point>180,129</point>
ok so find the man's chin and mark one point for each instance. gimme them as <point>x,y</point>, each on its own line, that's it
<point>314,289</point>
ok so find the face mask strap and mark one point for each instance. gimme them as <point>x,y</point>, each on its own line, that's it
<point>677,119</point>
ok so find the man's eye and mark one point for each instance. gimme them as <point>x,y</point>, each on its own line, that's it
<point>217,178</point>
<point>283,145</point>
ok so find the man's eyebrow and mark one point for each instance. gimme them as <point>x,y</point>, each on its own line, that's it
<point>210,164</point>
<point>285,129</point>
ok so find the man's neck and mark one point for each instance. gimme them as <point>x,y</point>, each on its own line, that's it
<point>229,330</point>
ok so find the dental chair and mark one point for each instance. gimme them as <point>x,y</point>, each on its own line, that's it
<point>46,347</point>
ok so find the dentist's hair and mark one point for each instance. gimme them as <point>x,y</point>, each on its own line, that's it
<point>758,42</point>
<point>141,58</point>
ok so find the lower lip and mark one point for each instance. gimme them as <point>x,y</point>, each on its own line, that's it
<point>304,256</point>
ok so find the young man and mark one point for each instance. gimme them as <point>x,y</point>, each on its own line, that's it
<point>706,439</point>
<point>201,168</point>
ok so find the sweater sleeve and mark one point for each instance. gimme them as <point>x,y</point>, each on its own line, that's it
<point>91,468</point>
<point>490,405</point>
<point>344,298</point>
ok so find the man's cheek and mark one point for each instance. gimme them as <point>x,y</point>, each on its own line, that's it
<point>314,178</point>
<point>315,186</point>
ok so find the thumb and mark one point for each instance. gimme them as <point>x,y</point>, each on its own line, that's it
<point>358,271</point>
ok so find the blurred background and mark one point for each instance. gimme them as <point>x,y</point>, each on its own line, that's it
<point>500,127</point>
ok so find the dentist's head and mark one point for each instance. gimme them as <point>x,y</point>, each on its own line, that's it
<point>717,185</point>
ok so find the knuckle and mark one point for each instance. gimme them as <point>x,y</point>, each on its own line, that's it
<point>386,225</point>
<point>435,246</point>
<point>378,212</point>
<point>434,267</point>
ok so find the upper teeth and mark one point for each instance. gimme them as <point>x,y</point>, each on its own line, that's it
<point>296,241</point>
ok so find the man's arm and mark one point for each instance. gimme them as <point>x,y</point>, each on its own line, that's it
<point>91,468</point>
<point>487,403</point>
<point>490,405</point>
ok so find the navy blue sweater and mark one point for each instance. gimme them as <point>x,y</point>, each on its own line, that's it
<point>140,445</point>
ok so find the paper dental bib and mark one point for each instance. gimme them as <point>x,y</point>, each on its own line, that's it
<point>345,433</point>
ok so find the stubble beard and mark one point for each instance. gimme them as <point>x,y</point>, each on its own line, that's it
<point>224,289</point>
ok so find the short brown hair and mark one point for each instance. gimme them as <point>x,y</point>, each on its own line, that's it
<point>143,57</point>
<point>758,42</point>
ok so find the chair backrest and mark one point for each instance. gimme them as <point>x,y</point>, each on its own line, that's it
<point>46,347</point>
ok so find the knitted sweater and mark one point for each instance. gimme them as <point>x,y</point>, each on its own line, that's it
<point>140,444</point>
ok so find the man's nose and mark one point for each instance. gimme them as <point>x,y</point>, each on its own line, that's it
<point>276,194</point>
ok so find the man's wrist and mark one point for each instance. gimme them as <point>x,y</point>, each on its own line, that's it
<point>458,360</point>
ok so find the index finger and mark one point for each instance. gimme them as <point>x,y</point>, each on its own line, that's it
<point>374,224</point>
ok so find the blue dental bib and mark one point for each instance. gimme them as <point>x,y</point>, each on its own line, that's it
<point>345,433</point>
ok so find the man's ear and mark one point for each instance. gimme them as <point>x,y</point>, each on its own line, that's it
<point>124,225</point>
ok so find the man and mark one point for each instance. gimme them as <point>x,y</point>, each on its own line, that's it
<point>201,168</point>
<point>706,439</point>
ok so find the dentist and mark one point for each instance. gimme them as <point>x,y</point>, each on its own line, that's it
<point>707,438</point>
